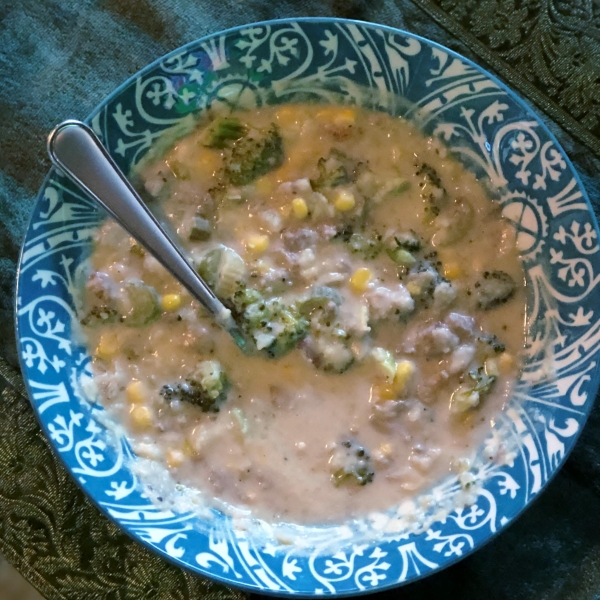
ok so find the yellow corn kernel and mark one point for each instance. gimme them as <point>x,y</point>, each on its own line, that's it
<point>360,279</point>
<point>506,362</point>
<point>414,289</point>
<point>136,392</point>
<point>257,243</point>
<point>452,271</point>
<point>338,115</point>
<point>175,458</point>
<point>345,116</point>
<point>299,208</point>
<point>344,201</point>
<point>404,371</point>
<point>141,417</point>
<point>264,185</point>
<point>108,345</point>
<point>208,163</point>
<point>170,302</point>
<point>382,392</point>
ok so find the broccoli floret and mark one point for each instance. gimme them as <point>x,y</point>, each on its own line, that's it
<point>275,326</point>
<point>100,315</point>
<point>224,132</point>
<point>469,395</point>
<point>408,241</point>
<point>337,169</point>
<point>368,246</point>
<point>432,190</point>
<point>206,388</point>
<point>351,464</point>
<point>254,155</point>
<point>344,234</point>
<point>496,288</point>
<point>490,345</point>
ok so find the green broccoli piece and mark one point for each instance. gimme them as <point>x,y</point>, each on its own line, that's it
<point>469,395</point>
<point>408,241</point>
<point>100,314</point>
<point>275,326</point>
<point>368,246</point>
<point>432,190</point>
<point>224,132</point>
<point>254,155</point>
<point>337,169</point>
<point>496,288</point>
<point>351,464</point>
<point>206,388</point>
<point>488,345</point>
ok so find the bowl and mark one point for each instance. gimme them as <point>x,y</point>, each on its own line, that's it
<point>493,132</point>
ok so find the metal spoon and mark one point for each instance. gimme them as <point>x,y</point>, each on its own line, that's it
<point>74,148</point>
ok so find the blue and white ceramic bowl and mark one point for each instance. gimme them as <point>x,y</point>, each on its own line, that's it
<point>485,125</point>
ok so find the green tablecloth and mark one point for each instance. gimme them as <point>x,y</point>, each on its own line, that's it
<point>58,59</point>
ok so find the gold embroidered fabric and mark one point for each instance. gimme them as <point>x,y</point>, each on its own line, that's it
<point>549,50</point>
<point>57,539</point>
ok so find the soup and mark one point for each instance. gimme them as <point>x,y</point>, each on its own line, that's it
<point>377,281</point>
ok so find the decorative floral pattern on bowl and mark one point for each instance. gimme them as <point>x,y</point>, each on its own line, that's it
<point>483,123</point>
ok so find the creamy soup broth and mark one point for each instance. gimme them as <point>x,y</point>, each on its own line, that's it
<point>403,314</point>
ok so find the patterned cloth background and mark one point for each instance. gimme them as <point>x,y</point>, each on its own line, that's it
<point>58,59</point>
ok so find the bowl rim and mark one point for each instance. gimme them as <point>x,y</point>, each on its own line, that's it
<point>230,582</point>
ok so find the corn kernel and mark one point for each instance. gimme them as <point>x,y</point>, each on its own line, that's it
<point>299,207</point>
<point>136,392</point>
<point>360,279</point>
<point>414,289</point>
<point>263,186</point>
<point>141,417</point>
<point>506,362</point>
<point>108,345</point>
<point>344,201</point>
<point>337,115</point>
<point>175,458</point>
<point>208,163</point>
<point>345,117</point>
<point>404,371</point>
<point>257,243</point>
<point>452,271</point>
<point>170,302</point>
<point>383,392</point>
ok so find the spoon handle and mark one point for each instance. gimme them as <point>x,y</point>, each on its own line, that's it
<point>74,148</point>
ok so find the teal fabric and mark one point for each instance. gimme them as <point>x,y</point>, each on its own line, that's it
<point>59,58</point>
